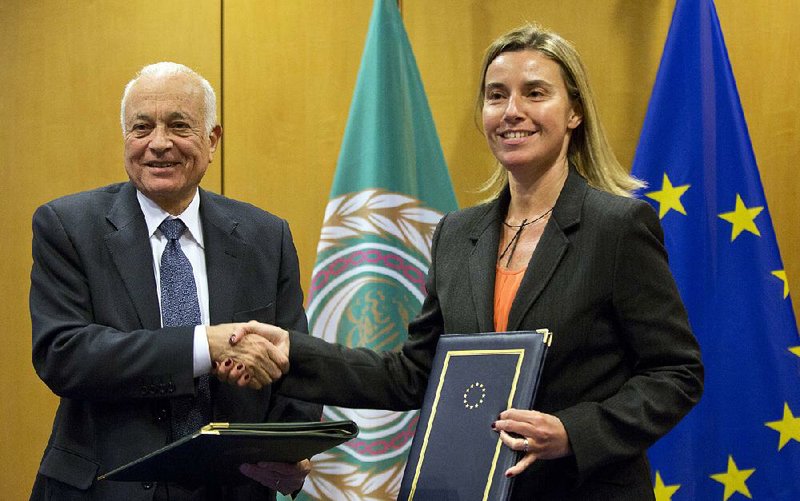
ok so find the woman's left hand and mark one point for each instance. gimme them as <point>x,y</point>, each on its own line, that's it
<point>538,435</point>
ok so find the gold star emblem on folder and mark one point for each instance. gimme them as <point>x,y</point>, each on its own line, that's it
<point>474,395</point>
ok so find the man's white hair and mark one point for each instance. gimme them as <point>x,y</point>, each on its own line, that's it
<point>163,69</point>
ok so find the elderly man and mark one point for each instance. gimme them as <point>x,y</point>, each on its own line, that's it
<point>135,290</point>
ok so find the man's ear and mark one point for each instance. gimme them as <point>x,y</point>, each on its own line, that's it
<point>213,138</point>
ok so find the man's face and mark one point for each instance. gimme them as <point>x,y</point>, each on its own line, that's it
<point>167,150</point>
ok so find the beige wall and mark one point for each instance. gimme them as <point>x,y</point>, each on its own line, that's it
<point>63,65</point>
<point>285,72</point>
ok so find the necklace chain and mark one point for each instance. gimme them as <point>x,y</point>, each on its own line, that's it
<point>512,244</point>
<point>525,222</point>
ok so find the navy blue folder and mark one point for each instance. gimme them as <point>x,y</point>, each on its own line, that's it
<point>455,454</point>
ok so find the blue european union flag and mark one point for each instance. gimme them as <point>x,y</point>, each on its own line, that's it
<point>743,438</point>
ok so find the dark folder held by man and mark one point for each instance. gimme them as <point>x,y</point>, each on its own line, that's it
<point>214,453</point>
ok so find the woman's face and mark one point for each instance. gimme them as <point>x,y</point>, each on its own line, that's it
<point>528,116</point>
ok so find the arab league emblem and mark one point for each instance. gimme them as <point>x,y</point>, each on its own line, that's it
<point>369,282</point>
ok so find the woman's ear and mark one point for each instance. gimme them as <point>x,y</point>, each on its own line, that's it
<point>575,117</point>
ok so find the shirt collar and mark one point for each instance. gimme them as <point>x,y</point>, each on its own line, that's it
<point>154,215</point>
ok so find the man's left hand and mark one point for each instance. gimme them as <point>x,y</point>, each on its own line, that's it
<point>283,477</point>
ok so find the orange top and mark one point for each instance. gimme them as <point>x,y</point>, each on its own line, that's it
<point>506,283</point>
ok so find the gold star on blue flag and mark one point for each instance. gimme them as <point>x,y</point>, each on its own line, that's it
<point>782,275</point>
<point>725,258</point>
<point>668,197</point>
<point>742,218</point>
<point>734,480</point>
<point>788,427</point>
<point>662,491</point>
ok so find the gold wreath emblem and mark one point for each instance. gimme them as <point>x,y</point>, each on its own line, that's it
<point>382,213</point>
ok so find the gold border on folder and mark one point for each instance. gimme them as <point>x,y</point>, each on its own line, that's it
<point>520,352</point>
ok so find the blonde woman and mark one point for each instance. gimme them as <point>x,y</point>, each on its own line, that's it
<point>561,244</point>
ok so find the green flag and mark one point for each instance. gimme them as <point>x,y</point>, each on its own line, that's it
<point>390,190</point>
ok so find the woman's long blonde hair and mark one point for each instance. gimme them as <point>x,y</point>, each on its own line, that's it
<point>589,150</point>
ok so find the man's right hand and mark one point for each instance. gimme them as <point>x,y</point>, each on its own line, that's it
<point>250,361</point>
<point>275,337</point>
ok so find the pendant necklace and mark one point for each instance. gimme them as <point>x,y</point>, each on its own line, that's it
<point>512,244</point>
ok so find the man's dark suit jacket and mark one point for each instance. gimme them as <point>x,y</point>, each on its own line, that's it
<point>97,341</point>
<point>623,368</point>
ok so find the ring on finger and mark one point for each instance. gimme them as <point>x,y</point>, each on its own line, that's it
<point>525,445</point>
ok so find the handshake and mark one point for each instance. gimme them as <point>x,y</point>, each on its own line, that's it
<point>254,355</point>
<point>249,354</point>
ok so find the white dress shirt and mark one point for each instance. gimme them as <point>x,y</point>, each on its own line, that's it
<point>192,245</point>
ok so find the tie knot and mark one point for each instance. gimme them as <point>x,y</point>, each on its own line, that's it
<point>172,228</point>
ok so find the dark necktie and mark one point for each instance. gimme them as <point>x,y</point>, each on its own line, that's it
<point>180,307</point>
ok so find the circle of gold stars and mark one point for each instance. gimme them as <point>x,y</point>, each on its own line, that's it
<point>470,400</point>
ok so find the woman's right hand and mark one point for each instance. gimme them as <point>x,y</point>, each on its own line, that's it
<point>538,435</point>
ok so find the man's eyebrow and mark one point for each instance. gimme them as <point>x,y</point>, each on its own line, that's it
<point>178,115</point>
<point>142,116</point>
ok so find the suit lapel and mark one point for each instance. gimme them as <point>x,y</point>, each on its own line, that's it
<point>223,265</point>
<point>485,236</point>
<point>130,250</point>
<point>224,252</point>
<point>551,248</point>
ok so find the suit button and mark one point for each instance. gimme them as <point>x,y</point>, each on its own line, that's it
<point>147,485</point>
<point>171,387</point>
<point>161,414</point>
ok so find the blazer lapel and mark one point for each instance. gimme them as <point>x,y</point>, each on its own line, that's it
<point>485,236</point>
<point>130,250</point>
<point>223,265</point>
<point>551,248</point>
